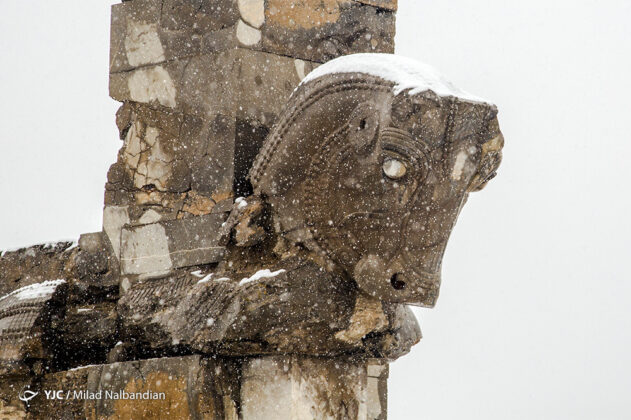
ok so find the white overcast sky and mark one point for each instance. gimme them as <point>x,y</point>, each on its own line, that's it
<point>534,318</point>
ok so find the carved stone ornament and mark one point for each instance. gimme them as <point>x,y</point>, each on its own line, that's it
<point>353,197</point>
<point>293,296</point>
<point>369,167</point>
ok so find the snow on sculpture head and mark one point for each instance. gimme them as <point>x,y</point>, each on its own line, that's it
<point>369,166</point>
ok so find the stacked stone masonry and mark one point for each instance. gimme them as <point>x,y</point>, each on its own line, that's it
<point>82,336</point>
<point>220,286</point>
<point>202,83</point>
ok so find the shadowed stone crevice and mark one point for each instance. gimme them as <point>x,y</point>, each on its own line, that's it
<point>249,139</point>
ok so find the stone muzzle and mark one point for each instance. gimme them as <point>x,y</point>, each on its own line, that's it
<point>397,282</point>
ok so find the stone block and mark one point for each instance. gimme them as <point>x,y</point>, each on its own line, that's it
<point>177,388</point>
<point>294,388</point>
<point>147,32</point>
<point>85,334</point>
<point>221,313</point>
<point>60,310</point>
<point>33,288</point>
<point>212,170</point>
<point>172,165</point>
<point>114,218</point>
<point>24,315</point>
<point>92,242</point>
<point>160,247</point>
<point>93,262</point>
<point>264,82</point>
<point>260,388</point>
<point>183,145</point>
<point>319,31</point>
<point>12,412</point>
<point>83,381</point>
<point>151,152</point>
<point>253,83</point>
<point>155,85</point>
<point>154,31</point>
<point>34,264</point>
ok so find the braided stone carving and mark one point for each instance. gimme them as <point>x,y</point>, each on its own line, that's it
<point>370,178</point>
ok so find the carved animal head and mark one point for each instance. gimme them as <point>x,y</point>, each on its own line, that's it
<point>371,176</point>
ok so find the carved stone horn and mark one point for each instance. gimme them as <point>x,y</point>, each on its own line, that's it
<point>370,177</point>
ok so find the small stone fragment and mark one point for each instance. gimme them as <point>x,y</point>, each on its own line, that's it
<point>248,35</point>
<point>252,12</point>
<point>154,84</point>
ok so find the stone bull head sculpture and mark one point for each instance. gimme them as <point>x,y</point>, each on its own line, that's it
<point>369,167</point>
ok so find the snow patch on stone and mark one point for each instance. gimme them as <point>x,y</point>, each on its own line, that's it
<point>73,244</point>
<point>35,291</point>
<point>261,274</point>
<point>241,203</point>
<point>80,367</point>
<point>404,72</point>
<point>205,279</point>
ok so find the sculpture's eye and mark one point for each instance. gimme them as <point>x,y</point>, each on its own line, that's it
<point>394,168</point>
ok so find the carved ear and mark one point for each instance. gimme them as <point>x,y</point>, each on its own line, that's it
<point>489,162</point>
<point>363,126</point>
<point>492,142</point>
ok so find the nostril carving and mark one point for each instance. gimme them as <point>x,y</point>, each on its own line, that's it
<point>396,282</point>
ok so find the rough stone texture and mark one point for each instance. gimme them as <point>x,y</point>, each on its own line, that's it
<point>177,388</point>
<point>161,246</point>
<point>322,30</point>
<point>12,412</point>
<point>201,91</point>
<point>23,314</point>
<point>192,160</point>
<point>57,310</point>
<point>372,182</point>
<point>300,311</point>
<point>25,266</point>
<point>277,387</point>
<point>260,240</point>
<point>237,82</point>
<point>146,32</point>
<point>308,388</point>
<point>31,290</point>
